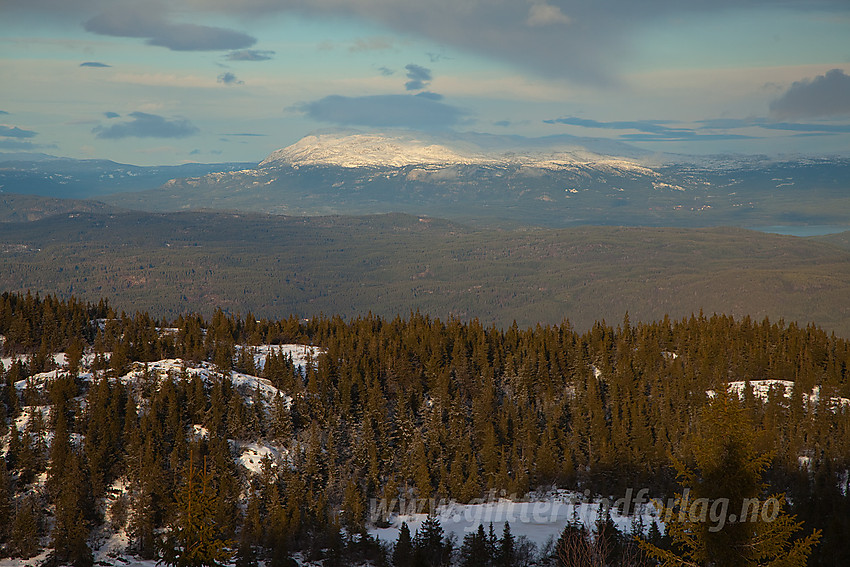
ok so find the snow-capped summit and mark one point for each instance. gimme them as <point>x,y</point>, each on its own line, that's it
<point>357,149</point>
<point>353,149</point>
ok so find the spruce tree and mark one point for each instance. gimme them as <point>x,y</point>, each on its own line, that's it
<point>430,549</point>
<point>193,539</point>
<point>507,548</point>
<point>70,530</point>
<point>24,537</point>
<point>403,549</point>
<point>6,503</point>
<point>720,517</point>
<point>473,552</point>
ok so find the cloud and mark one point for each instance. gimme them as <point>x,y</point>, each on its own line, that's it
<point>648,130</point>
<point>94,64</point>
<point>249,135</point>
<point>146,125</point>
<point>812,128</point>
<point>386,71</point>
<point>361,45</point>
<point>250,55</point>
<point>594,49</point>
<point>229,79</point>
<point>647,126</point>
<point>148,21</point>
<point>825,95</point>
<point>384,111</point>
<point>419,77</point>
<point>17,145</point>
<point>3,112</point>
<point>110,114</point>
<point>543,14</point>
<point>15,132</point>
<point>767,124</point>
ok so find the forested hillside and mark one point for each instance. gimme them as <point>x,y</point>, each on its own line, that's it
<point>387,264</point>
<point>102,444</point>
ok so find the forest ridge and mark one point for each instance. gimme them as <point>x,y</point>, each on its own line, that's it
<point>413,407</point>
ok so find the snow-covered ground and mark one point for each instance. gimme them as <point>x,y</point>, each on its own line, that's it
<point>538,517</point>
<point>301,354</point>
<point>761,390</point>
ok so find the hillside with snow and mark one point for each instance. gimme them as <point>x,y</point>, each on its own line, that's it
<point>537,519</point>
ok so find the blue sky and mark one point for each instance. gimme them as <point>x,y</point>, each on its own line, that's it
<point>143,82</point>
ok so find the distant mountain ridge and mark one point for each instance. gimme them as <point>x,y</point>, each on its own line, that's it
<point>491,180</point>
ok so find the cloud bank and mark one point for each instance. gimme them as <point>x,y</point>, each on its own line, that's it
<point>574,39</point>
<point>146,125</point>
<point>148,21</point>
<point>825,95</point>
<point>15,132</point>
<point>384,111</point>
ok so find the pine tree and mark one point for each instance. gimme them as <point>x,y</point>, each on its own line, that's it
<point>727,479</point>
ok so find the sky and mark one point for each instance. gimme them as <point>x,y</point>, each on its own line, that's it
<point>147,82</point>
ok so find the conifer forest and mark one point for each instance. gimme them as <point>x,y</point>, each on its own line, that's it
<point>203,441</point>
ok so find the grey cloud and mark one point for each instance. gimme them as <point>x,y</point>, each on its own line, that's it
<point>385,71</point>
<point>590,49</point>
<point>812,128</point>
<point>683,136</point>
<point>430,95</point>
<point>3,112</point>
<point>94,64</point>
<point>382,111</point>
<point>190,37</point>
<point>419,77</point>
<point>16,145</point>
<point>15,132</point>
<point>647,126</point>
<point>148,21</point>
<point>146,125</point>
<point>229,79</point>
<point>825,95</point>
<point>767,124</point>
<point>648,130</point>
<point>250,55</point>
<point>111,114</point>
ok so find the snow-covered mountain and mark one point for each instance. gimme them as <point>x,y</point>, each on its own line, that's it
<point>354,149</point>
